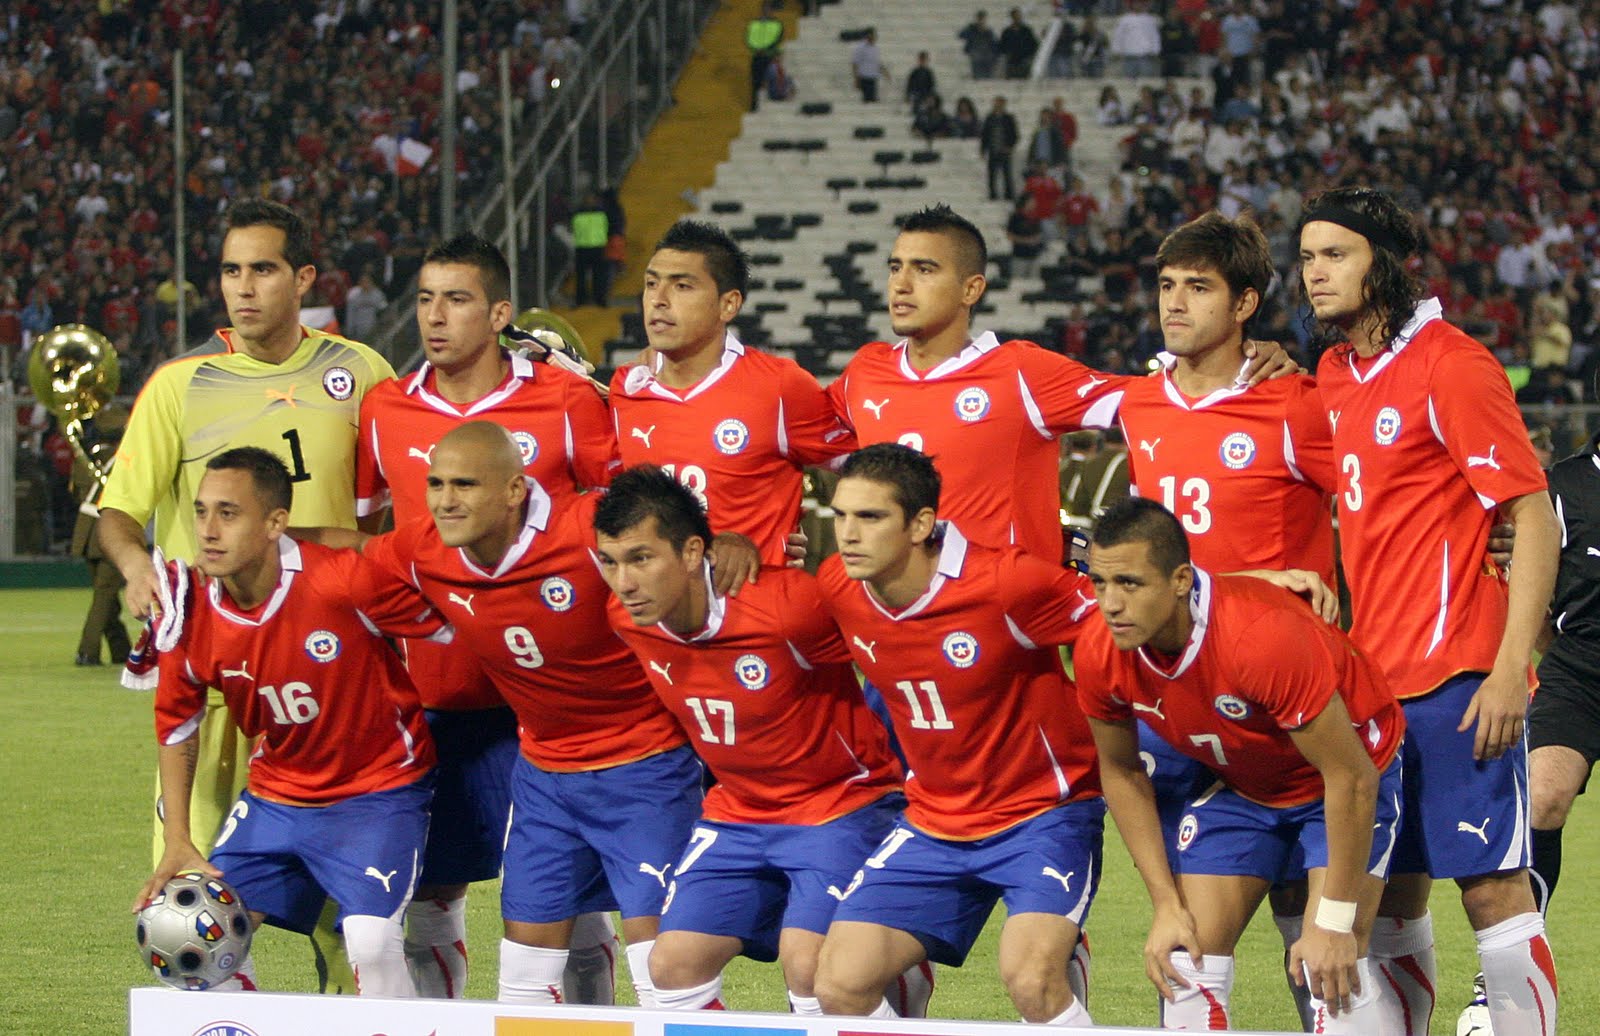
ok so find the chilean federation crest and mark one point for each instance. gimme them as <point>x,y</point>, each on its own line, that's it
<point>1231,707</point>
<point>556,593</point>
<point>527,445</point>
<point>731,436</point>
<point>1238,451</point>
<point>752,672</point>
<point>972,404</point>
<point>1386,429</point>
<point>961,650</point>
<point>322,646</point>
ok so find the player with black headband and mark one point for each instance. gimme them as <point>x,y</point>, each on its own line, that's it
<point>1428,443</point>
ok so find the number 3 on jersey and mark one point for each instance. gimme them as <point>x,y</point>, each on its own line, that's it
<point>693,476</point>
<point>1351,467</point>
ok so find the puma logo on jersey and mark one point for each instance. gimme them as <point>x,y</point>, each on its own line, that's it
<point>425,456</point>
<point>465,602</point>
<point>243,672</point>
<point>1149,448</point>
<point>1154,710</point>
<point>1594,552</point>
<point>1462,827</point>
<point>1089,386</point>
<point>1065,879</point>
<point>287,396</point>
<point>833,890</point>
<point>657,667</point>
<point>876,408</point>
<point>644,434</point>
<point>1087,603</point>
<point>1333,420</point>
<point>1484,462</point>
<point>659,875</point>
<point>375,873</point>
<point>868,648</point>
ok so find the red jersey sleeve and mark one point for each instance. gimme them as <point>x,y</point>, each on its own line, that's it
<point>372,488</point>
<point>1475,416</point>
<point>838,398</point>
<point>389,553</point>
<point>1310,445</point>
<point>1095,663</point>
<point>807,624</point>
<point>592,437</point>
<point>813,431</point>
<point>384,599</point>
<point>1062,395</point>
<point>180,698</point>
<point>1046,602</point>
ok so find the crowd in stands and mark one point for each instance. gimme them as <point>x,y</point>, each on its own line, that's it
<point>1479,116</point>
<point>331,106</point>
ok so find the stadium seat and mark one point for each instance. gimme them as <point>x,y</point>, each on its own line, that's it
<point>869,133</point>
<point>862,208</point>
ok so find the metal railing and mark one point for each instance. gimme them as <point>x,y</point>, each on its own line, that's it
<point>586,134</point>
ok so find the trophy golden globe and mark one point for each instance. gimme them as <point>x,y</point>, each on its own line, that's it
<point>74,372</point>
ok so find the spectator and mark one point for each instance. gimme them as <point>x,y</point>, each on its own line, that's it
<point>1027,239</point>
<point>1109,111</point>
<point>919,82</point>
<point>997,139</point>
<point>1550,340</point>
<point>980,45</point>
<point>39,316</point>
<point>1241,35</point>
<point>1018,45</point>
<point>1066,124</point>
<point>867,64</point>
<point>1136,40</point>
<point>930,120</point>
<point>1063,54</point>
<point>362,306</point>
<point>763,37</point>
<point>965,123</point>
<point>1092,47</point>
<point>1045,146</point>
<point>1078,210</point>
<point>590,231</point>
<point>1043,192</point>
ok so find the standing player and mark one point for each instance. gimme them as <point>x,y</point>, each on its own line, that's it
<point>337,803</point>
<point>605,789</point>
<point>720,417</point>
<point>762,683</point>
<point>989,412</point>
<point>1247,468</point>
<point>1299,735</point>
<point>266,381</point>
<point>1004,802</point>
<point>563,432</point>
<point>1428,442</point>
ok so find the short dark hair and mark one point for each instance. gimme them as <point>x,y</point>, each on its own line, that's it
<point>259,212</point>
<point>971,251</point>
<point>729,266</point>
<point>1389,289</point>
<point>471,249</point>
<point>1142,520</point>
<point>645,492</point>
<point>1235,248</point>
<point>910,474</point>
<point>267,470</point>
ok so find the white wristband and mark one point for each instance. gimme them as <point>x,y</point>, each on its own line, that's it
<point>1335,915</point>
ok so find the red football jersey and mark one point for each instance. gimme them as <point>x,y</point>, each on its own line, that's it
<point>1248,470</point>
<point>987,717</point>
<point>989,417</point>
<point>538,624</point>
<point>739,438</point>
<point>1258,664</point>
<point>1428,440</point>
<point>561,425</point>
<point>771,703</point>
<point>308,673</point>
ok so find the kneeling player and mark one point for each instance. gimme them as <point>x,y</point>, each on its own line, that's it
<point>762,683</point>
<point>337,801</point>
<point>1003,800</point>
<point>1302,731</point>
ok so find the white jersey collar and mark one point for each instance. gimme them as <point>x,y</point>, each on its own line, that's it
<point>522,369</point>
<point>952,561</point>
<point>289,563</point>
<point>1200,612</point>
<point>1427,311</point>
<point>716,611</point>
<point>971,353</point>
<point>642,379</point>
<point>1175,396</point>
<point>533,523</point>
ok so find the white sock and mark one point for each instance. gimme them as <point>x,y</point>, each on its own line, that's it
<point>707,996</point>
<point>1075,1014</point>
<point>1289,927</point>
<point>1078,966</point>
<point>808,1006</point>
<point>1407,973</point>
<point>591,976</point>
<point>639,966</point>
<point>242,980</point>
<point>436,947</point>
<point>909,993</point>
<point>883,1010</point>
<point>1362,1016</point>
<point>1204,1005</point>
<point>376,947</point>
<point>530,974</point>
<point>1520,976</point>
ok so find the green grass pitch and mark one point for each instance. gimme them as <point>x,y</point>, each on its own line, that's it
<point>77,759</point>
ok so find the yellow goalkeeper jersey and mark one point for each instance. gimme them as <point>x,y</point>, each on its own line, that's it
<point>304,409</point>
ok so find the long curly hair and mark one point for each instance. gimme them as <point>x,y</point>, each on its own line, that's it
<point>1389,290</point>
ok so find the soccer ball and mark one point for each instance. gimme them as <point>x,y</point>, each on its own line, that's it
<point>195,932</point>
<point>1474,1021</point>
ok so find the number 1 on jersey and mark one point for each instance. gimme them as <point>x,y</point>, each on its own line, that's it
<point>297,469</point>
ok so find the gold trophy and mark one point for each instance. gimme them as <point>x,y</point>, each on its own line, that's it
<point>74,372</point>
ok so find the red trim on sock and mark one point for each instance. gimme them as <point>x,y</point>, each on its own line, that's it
<point>1538,1001</point>
<point>1217,1020</point>
<point>1539,949</point>
<point>357,973</point>
<point>1405,1005</point>
<point>244,980</point>
<point>444,969</point>
<point>555,992</point>
<point>1410,966</point>
<point>715,1005</point>
<point>904,994</point>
